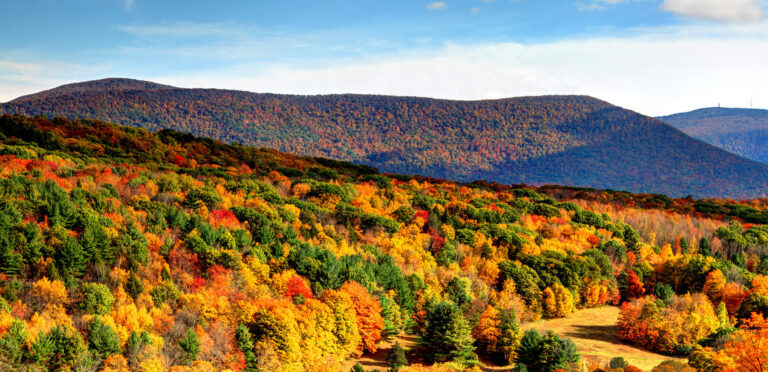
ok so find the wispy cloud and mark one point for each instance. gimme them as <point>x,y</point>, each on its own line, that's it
<point>20,78</point>
<point>717,10</point>
<point>437,5</point>
<point>129,5</point>
<point>182,29</point>
<point>600,4</point>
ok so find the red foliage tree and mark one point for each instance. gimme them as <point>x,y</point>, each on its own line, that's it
<point>633,287</point>
<point>297,286</point>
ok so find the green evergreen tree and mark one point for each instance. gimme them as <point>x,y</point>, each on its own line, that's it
<point>459,290</point>
<point>10,261</point>
<point>102,339</point>
<point>396,357</point>
<point>72,257</point>
<point>56,349</point>
<point>509,338</point>
<point>704,249</point>
<point>528,351</point>
<point>546,353</point>
<point>663,291</point>
<point>245,344</point>
<point>447,335</point>
<point>133,286</point>
<point>684,247</point>
<point>190,345</point>
<point>12,345</point>
<point>32,250</point>
<point>134,347</point>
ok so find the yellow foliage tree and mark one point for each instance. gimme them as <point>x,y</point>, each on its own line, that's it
<point>45,292</point>
<point>713,285</point>
<point>345,320</point>
<point>558,301</point>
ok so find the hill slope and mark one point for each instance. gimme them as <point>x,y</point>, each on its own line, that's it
<point>123,250</point>
<point>741,131</point>
<point>573,140</point>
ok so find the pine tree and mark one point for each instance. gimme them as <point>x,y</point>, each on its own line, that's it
<point>245,344</point>
<point>684,247</point>
<point>133,286</point>
<point>10,261</point>
<point>190,345</point>
<point>134,347</point>
<point>102,339</point>
<point>704,249</point>
<point>509,339</point>
<point>12,345</point>
<point>447,335</point>
<point>546,353</point>
<point>32,250</point>
<point>72,257</point>
<point>56,349</point>
<point>396,357</point>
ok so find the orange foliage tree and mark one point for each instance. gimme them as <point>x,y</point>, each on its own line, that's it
<point>368,311</point>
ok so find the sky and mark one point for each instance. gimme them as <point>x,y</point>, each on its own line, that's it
<point>656,57</point>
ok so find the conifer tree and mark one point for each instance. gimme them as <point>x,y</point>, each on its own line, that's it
<point>447,335</point>
<point>102,339</point>
<point>190,345</point>
<point>245,344</point>
<point>396,357</point>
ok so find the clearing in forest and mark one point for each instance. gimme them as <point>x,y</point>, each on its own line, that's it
<point>594,333</point>
<point>592,330</point>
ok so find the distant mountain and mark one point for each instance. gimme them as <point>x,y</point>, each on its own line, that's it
<point>741,131</point>
<point>569,140</point>
<point>96,86</point>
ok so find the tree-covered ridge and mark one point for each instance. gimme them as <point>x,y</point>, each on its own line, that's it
<point>114,257</point>
<point>567,140</point>
<point>740,131</point>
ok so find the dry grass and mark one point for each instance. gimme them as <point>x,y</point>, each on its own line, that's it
<point>593,331</point>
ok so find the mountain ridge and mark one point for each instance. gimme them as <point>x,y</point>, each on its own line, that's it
<point>570,140</point>
<point>742,131</point>
<point>101,85</point>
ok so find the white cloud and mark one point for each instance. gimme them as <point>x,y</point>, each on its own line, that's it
<point>657,71</point>
<point>437,5</point>
<point>717,10</point>
<point>654,73</point>
<point>129,4</point>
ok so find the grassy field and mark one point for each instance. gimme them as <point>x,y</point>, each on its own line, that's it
<point>593,332</point>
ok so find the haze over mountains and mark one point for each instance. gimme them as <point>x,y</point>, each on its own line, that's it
<point>569,140</point>
<point>738,130</point>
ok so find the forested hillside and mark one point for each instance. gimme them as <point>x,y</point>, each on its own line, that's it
<point>121,249</point>
<point>741,131</point>
<point>565,140</point>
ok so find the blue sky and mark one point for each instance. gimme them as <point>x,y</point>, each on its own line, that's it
<point>654,56</point>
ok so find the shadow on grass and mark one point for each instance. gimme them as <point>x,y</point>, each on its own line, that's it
<point>605,333</point>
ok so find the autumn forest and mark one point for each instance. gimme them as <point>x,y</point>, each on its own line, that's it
<point>126,250</point>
